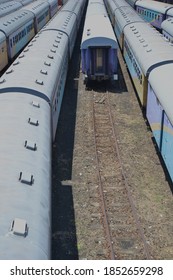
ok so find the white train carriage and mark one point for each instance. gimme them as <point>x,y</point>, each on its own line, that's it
<point>159,111</point>
<point>144,49</point>
<point>25,160</point>
<point>153,11</point>
<point>31,92</point>
<point>31,102</point>
<point>66,23</point>
<point>123,17</point>
<point>9,7</point>
<point>3,51</point>
<point>167,29</point>
<point>18,28</point>
<point>75,6</point>
<point>40,10</point>
<point>112,6</point>
<point>99,45</point>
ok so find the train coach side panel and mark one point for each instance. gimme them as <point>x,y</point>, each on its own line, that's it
<point>18,39</point>
<point>167,144</point>
<point>3,51</point>
<point>137,75</point>
<point>154,115</point>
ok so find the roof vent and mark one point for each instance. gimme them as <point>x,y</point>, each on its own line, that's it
<point>50,56</point>
<point>16,63</point>
<point>33,121</point>
<point>21,56</point>
<point>2,81</point>
<point>53,51</point>
<point>35,104</point>
<point>39,82</point>
<point>26,178</point>
<point>9,71</point>
<point>19,227</point>
<point>47,63</point>
<point>30,145</point>
<point>43,72</point>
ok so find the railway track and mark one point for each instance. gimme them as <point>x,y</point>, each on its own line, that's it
<point>123,232</point>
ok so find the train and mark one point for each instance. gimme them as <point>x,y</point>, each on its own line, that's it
<point>31,92</point>
<point>167,29</point>
<point>11,6</point>
<point>152,11</point>
<point>149,59</point>
<point>99,45</point>
<point>19,27</point>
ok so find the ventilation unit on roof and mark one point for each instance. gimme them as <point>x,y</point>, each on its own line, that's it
<point>26,178</point>
<point>19,227</point>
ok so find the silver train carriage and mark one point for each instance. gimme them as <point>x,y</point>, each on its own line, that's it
<point>31,92</point>
<point>99,45</point>
<point>20,27</point>
<point>167,29</point>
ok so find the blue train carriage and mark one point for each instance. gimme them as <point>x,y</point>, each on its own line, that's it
<point>112,6</point>
<point>144,48</point>
<point>167,29</point>
<point>40,10</point>
<point>18,28</point>
<point>159,111</point>
<point>9,7</point>
<point>99,45</point>
<point>153,12</point>
<point>123,17</point>
<point>3,51</point>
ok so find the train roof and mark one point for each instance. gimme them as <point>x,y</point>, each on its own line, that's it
<point>160,79</point>
<point>167,25</point>
<point>9,7</point>
<point>125,16</point>
<point>46,62</point>
<point>115,4</point>
<point>96,9</point>
<point>154,5</point>
<point>71,5</point>
<point>9,23</point>
<point>64,23</point>
<point>25,177</point>
<point>36,7</point>
<point>98,32</point>
<point>148,45</point>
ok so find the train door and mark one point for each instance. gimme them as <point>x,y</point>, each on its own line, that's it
<point>99,61</point>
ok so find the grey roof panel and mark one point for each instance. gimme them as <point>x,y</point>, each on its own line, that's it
<point>125,16</point>
<point>97,28</point>
<point>10,23</point>
<point>148,45</point>
<point>167,25</point>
